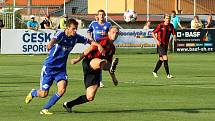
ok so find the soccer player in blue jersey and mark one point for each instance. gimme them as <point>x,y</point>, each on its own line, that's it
<point>98,29</point>
<point>54,68</point>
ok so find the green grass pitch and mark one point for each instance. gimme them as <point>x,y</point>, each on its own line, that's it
<point>190,96</point>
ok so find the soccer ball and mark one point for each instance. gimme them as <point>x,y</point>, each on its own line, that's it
<point>130,16</point>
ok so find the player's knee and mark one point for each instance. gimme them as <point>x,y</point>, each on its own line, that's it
<point>44,94</point>
<point>161,59</point>
<point>90,97</point>
<point>61,92</point>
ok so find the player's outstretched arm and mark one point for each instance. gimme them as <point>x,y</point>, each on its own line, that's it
<point>82,55</point>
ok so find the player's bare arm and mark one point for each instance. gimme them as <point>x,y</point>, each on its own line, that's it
<point>82,55</point>
<point>155,38</point>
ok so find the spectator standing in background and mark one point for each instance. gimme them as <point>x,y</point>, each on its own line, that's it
<point>175,20</point>
<point>196,23</point>
<point>147,25</point>
<point>209,36</point>
<point>47,23</point>
<point>63,21</point>
<point>32,24</point>
<point>210,23</point>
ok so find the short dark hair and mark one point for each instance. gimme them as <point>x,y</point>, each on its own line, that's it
<point>71,21</point>
<point>100,10</point>
<point>196,17</point>
<point>173,11</point>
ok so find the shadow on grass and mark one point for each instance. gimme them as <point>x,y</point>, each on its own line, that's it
<point>18,82</point>
<point>205,76</point>
<point>194,110</point>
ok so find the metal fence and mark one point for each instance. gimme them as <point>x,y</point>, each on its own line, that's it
<point>80,8</point>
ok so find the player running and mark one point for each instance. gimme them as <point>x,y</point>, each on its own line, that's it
<point>163,31</point>
<point>92,59</point>
<point>54,68</point>
<point>98,29</point>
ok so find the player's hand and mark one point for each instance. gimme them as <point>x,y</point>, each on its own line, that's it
<point>158,43</point>
<point>101,50</point>
<point>48,47</point>
<point>74,61</point>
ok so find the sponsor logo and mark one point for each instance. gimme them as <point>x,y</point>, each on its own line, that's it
<point>45,86</point>
<point>192,34</point>
<point>180,45</point>
<point>190,44</point>
<point>208,44</point>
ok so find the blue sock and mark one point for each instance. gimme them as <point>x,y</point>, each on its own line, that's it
<point>34,93</point>
<point>52,101</point>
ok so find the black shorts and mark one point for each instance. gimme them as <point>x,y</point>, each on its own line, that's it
<point>91,77</point>
<point>162,51</point>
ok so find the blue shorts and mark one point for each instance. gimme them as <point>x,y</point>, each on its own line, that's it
<point>49,76</point>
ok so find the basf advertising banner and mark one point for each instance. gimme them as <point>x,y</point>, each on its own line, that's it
<point>195,40</point>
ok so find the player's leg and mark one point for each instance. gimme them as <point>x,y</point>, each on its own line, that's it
<point>61,80</point>
<point>101,82</point>
<point>89,96</point>
<point>91,81</point>
<point>107,66</point>
<point>61,85</point>
<point>113,65</point>
<point>166,66</point>
<point>159,62</point>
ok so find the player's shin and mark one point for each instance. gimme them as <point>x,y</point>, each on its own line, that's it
<point>80,100</point>
<point>158,65</point>
<point>52,101</point>
<point>34,93</point>
<point>166,66</point>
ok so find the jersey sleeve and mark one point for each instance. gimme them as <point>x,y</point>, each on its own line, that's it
<point>81,39</point>
<point>58,36</point>
<point>28,24</point>
<point>109,25</point>
<point>157,29</point>
<point>90,29</point>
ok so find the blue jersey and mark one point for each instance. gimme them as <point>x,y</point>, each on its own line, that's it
<point>99,31</point>
<point>58,54</point>
<point>32,24</point>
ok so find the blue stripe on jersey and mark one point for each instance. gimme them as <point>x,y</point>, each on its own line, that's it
<point>58,54</point>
